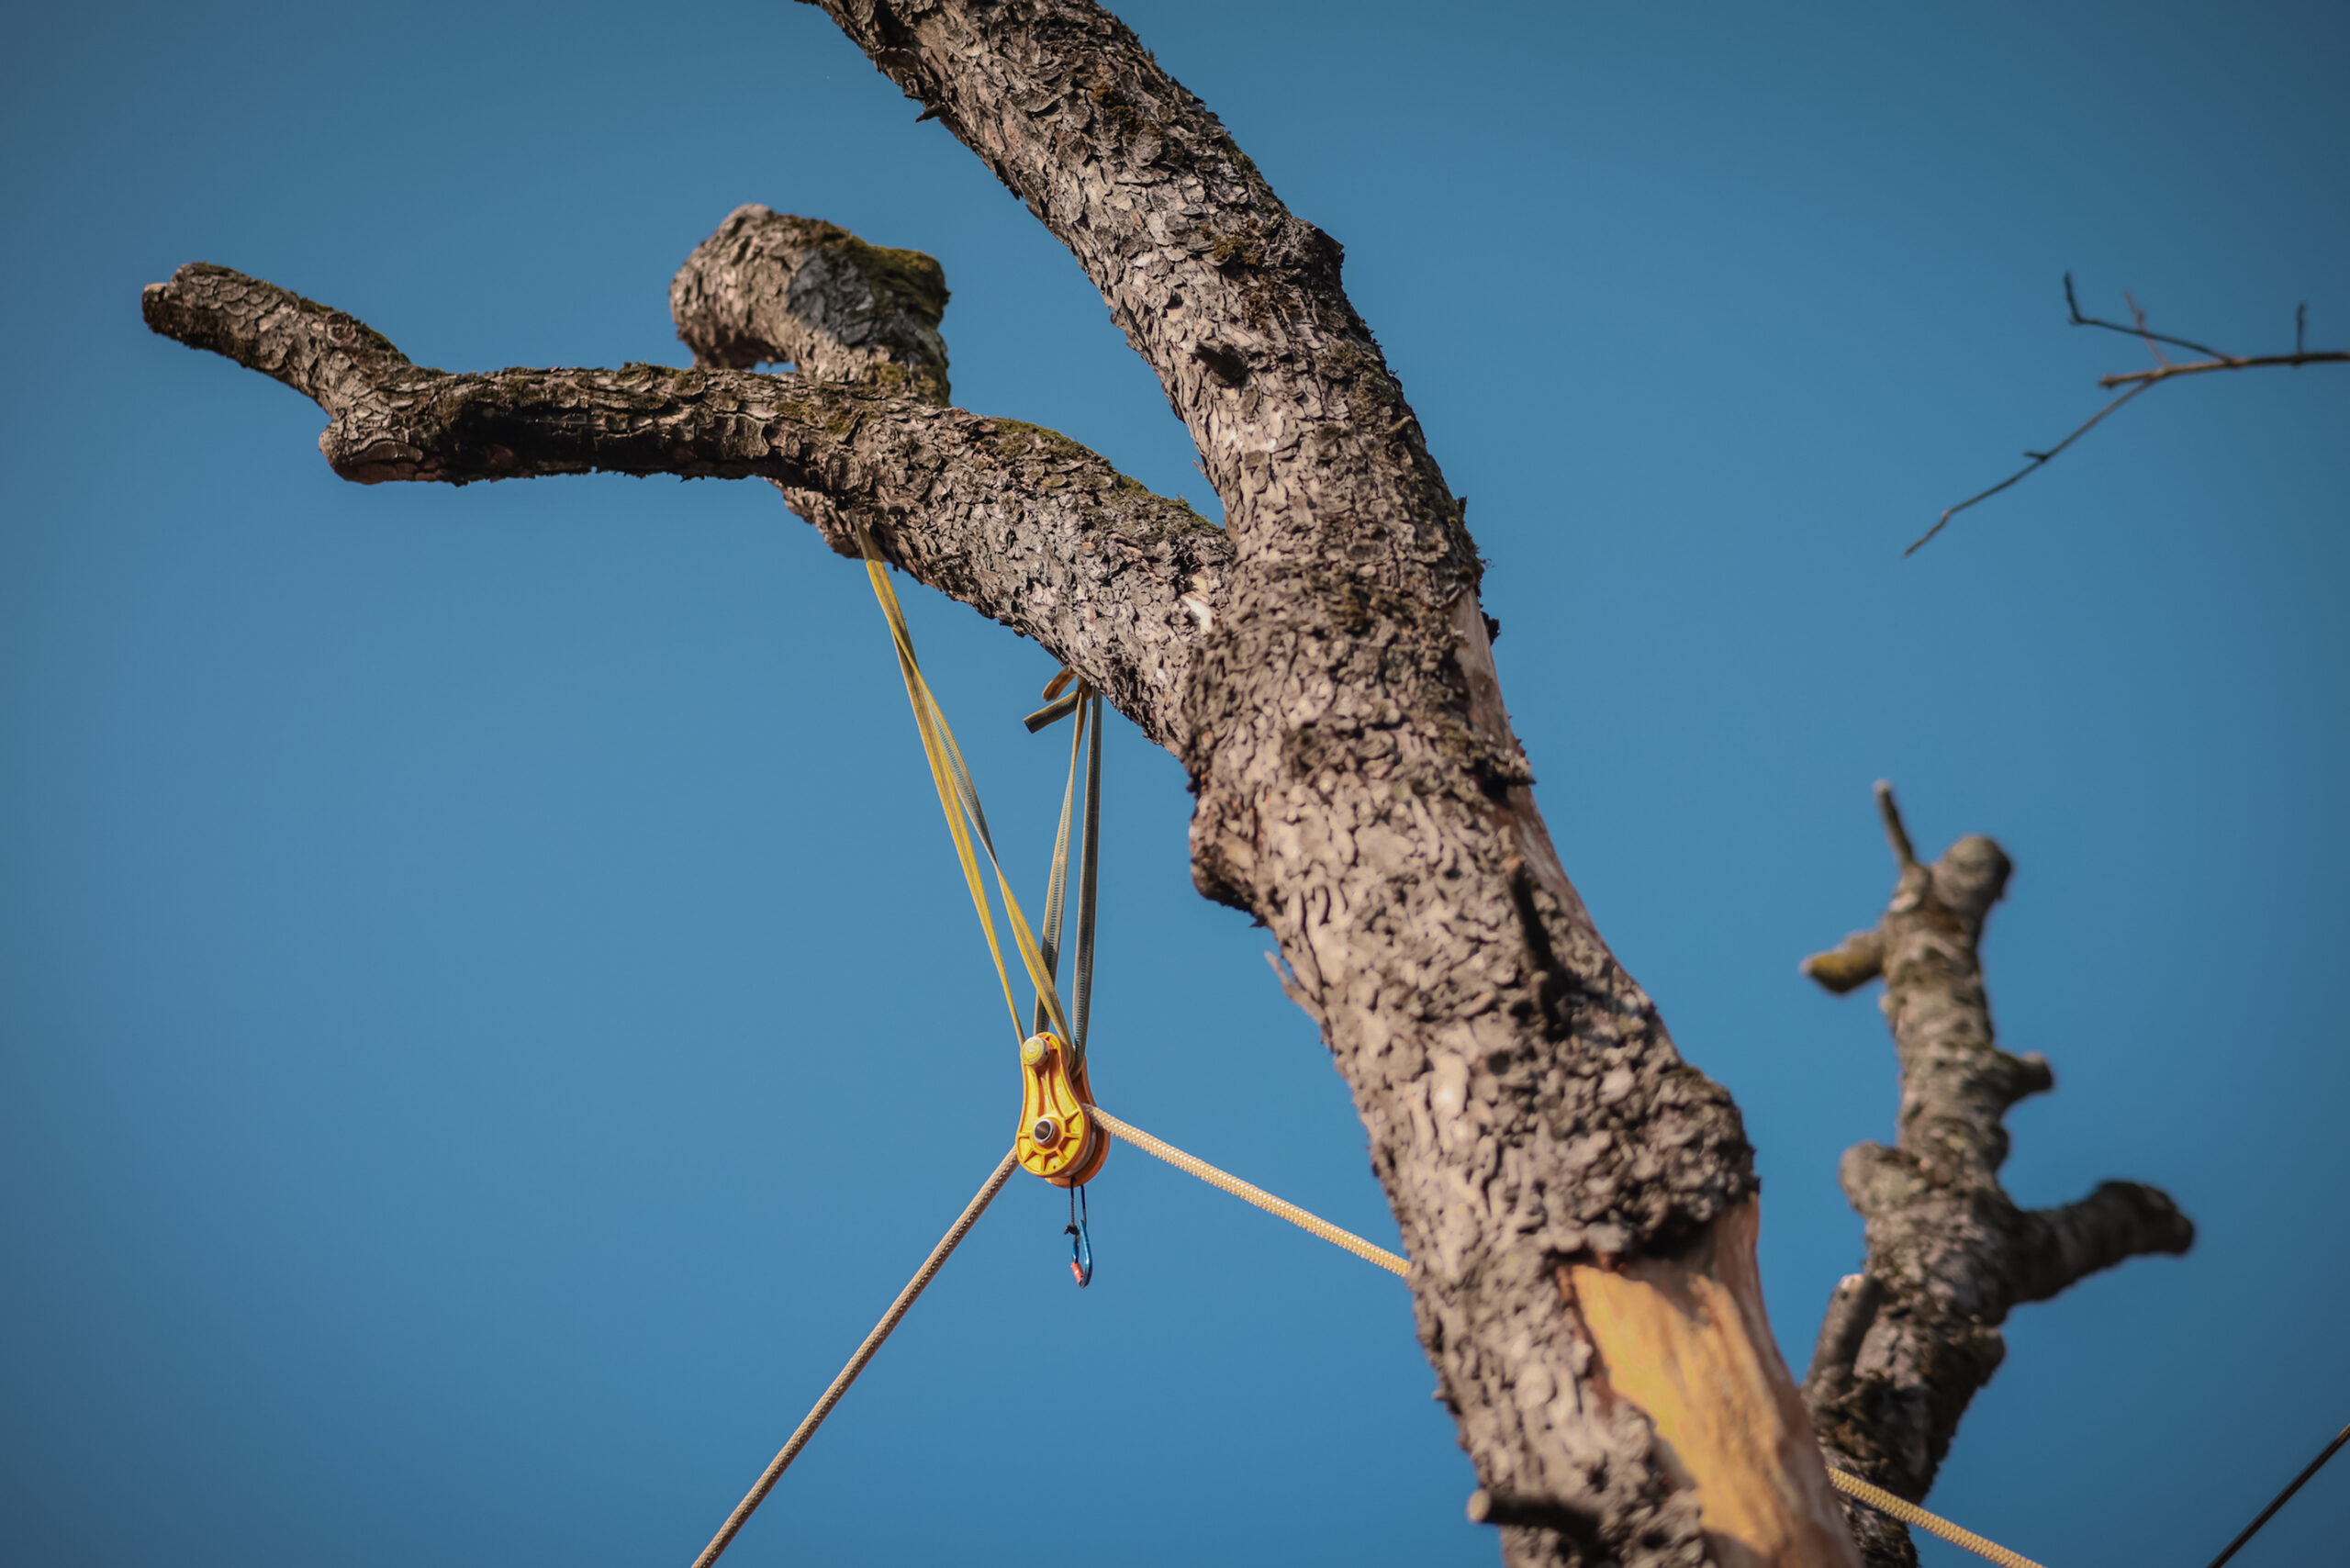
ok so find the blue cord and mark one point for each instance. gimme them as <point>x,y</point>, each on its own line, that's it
<point>1080,1247</point>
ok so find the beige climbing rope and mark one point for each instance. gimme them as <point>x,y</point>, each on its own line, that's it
<point>1852,1486</point>
<point>966,824</point>
<point>1378,1257</point>
<point>1909,1513</point>
<point>882,1330</point>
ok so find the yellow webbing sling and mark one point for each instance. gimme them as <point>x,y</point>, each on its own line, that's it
<point>960,800</point>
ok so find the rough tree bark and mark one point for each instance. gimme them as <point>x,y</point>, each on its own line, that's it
<point>1909,1340</point>
<point>1020,523</point>
<point>1579,1203</point>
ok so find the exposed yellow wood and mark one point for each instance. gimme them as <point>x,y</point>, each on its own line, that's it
<point>1687,1340</point>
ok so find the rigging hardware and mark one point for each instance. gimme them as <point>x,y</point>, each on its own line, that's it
<point>1059,1138</point>
<point>1081,1244</point>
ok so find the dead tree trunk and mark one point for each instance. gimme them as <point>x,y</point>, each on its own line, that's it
<point>1579,1203</point>
<point>1909,1340</point>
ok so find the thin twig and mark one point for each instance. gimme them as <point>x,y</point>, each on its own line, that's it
<point>2038,460</point>
<point>2073,306</point>
<point>1896,834</point>
<point>2225,362</point>
<point>2137,381</point>
<point>2151,339</point>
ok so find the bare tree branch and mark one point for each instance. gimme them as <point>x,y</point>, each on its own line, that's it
<point>1851,1307</point>
<point>1578,1200</point>
<point>1896,833</point>
<point>2200,368</point>
<point>1907,1342</point>
<point>1232,299</point>
<point>2038,460</point>
<point>2138,381</point>
<point>1570,1191</point>
<point>1023,524</point>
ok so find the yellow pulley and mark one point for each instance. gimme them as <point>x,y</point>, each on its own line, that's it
<point>1059,1139</point>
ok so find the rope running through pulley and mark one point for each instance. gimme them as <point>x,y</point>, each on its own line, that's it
<point>1063,1136</point>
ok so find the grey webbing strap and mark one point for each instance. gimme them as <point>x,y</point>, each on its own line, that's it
<point>1049,945</point>
<point>1086,741</point>
<point>960,800</point>
<point>1088,876</point>
<point>970,796</point>
<point>1048,1001</point>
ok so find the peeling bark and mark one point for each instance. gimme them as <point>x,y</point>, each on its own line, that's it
<point>1908,1342</point>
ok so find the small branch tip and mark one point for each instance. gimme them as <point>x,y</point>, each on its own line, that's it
<point>2137,381</point>
<point>1896,834</point>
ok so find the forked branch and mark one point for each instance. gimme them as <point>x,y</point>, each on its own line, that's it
<point>1909,1340</point>
<point>2138,381</point>
<point>1024,525</point>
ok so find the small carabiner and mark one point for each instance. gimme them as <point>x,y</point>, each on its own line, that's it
<point>1080,1246</point>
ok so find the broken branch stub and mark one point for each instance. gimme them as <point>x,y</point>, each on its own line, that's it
<point>1323,670</point>
<point>771,288</point>
<point>1021,523</point>
<point>1908,1342</point>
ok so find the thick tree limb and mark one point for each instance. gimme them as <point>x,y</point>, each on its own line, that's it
<point>1361,791</point>
<point>1851,1309</point>
<point>1573,1195</point>
<point>1908,1342</point>
<point>1024,525</point>
<point>2226,362</point>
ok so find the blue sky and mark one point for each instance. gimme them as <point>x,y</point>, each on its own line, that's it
<point>486,1013</point>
